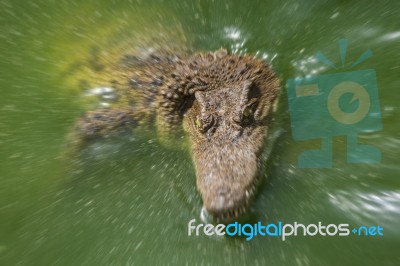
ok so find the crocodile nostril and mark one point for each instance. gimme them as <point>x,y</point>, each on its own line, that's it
<point>222,192</point>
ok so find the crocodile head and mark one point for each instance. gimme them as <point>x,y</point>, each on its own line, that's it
<point>227,127</point>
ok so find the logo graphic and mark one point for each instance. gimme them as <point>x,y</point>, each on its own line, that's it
<point>337,104</point>
<point>281,230</point>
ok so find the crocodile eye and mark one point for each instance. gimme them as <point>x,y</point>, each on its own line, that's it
<point>246,115</point>
<point>204,123</point>
<point>248,111</point>
<point>199,123</point>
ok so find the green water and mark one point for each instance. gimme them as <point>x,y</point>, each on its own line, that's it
<point>128,201</point>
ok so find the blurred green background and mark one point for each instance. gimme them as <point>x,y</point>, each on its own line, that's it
<point>128,201</point>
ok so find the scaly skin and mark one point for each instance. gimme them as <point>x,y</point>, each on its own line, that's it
<point>224,104</point>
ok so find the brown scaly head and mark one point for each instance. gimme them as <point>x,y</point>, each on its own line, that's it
<point>225,103</point>
<point>231,99</point>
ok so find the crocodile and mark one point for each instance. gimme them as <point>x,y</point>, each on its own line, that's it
<point>224,104</point>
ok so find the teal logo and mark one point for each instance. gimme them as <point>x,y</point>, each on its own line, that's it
<point>339,104</point>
